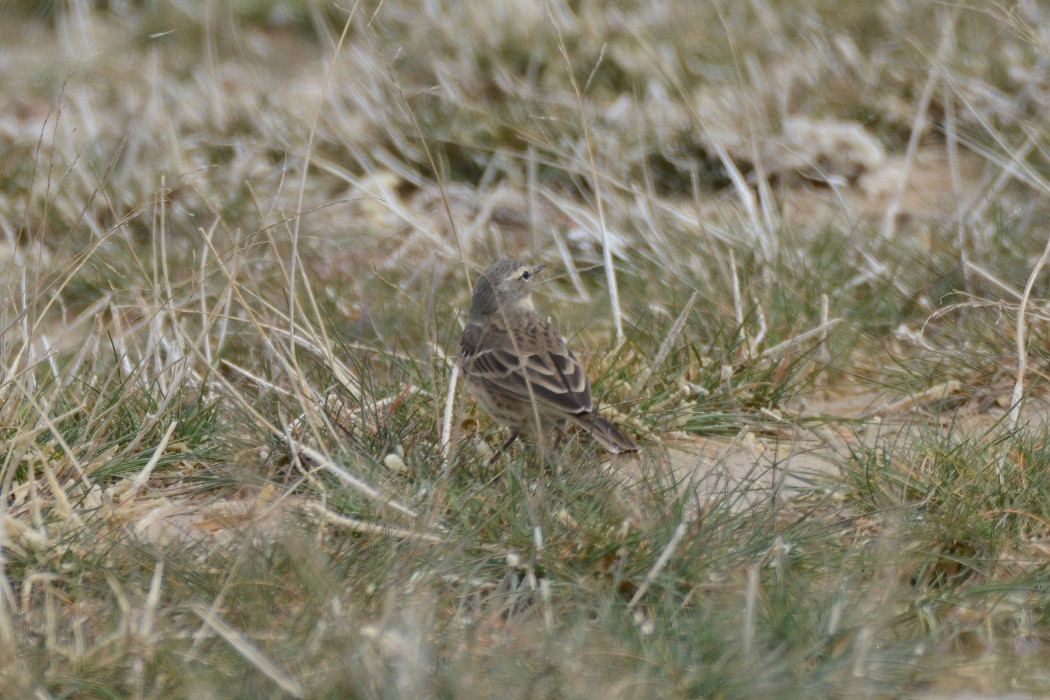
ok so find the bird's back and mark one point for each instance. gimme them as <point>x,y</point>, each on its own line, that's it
<point>518,351</point>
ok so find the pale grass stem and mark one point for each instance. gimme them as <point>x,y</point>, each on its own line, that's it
<point>665,347</point>
<point>1021,330</point>
<point>236,639</point>
<point>596,182</point>
<point>661,562</point>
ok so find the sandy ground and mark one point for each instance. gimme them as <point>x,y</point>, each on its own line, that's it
<point>752,467</point>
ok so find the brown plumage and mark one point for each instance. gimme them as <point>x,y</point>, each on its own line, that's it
<point>519,369</point>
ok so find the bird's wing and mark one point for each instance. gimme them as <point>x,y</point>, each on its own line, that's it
<point>518,352</point>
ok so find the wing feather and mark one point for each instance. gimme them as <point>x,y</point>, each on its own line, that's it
<point>518,352</point>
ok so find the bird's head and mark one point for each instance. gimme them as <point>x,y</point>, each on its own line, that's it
<point>504,286</point>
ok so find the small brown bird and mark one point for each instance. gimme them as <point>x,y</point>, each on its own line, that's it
<point>519,369</point>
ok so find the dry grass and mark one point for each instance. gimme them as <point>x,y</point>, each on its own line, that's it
<point>236,242</point>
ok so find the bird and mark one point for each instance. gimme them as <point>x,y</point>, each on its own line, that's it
<point>519,369</point>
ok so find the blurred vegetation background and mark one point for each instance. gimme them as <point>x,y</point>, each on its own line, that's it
<point>237,241</point>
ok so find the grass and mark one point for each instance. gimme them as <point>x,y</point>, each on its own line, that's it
<point>237,241</point>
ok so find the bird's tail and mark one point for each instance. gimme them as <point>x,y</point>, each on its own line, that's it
<point>607,434</point>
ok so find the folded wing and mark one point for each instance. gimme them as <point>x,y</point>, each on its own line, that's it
<point>530,356</point>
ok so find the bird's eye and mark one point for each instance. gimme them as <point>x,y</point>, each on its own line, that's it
<point>526,275</point>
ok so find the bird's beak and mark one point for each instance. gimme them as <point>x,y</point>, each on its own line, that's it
<point>538,268</point>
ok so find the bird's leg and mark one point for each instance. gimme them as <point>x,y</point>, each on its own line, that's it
<point>559,435</point>
<point>504,446</point>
